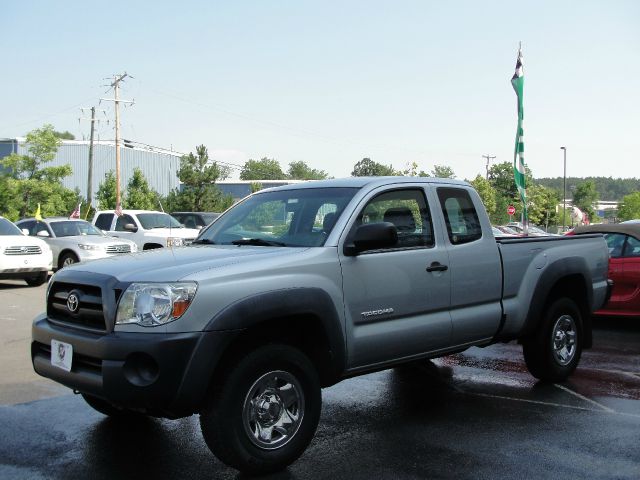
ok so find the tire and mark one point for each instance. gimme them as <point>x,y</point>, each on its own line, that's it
<point>37,280</point>
<point>249,424</point>
<point>553,352</point>
<point>108,409</point>
<point>67,259</point>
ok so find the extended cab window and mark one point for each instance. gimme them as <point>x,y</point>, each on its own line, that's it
<point>103,222</point>
<point>463,225</point>
<point>122,221</point>
<point>407,210</point>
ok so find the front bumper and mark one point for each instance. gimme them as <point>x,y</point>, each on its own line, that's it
<point>161,374</point>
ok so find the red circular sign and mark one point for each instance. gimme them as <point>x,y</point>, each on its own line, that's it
<point>511,210</point>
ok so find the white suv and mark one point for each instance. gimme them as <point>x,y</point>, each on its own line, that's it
<point>23,257</point>
<point>147,228</point>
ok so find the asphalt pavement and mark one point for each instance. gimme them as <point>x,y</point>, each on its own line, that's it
<point>475,415</point>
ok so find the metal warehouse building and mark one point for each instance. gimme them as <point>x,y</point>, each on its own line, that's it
<point>158,166</point>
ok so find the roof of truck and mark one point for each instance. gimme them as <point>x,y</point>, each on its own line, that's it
<point>359,182</point>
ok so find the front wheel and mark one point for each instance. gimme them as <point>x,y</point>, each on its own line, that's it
<point>553,352</point>
<point>37,280</point>
<point>265,411</point>
<point>67,259</point>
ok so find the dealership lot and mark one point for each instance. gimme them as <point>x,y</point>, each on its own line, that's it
<point>474,415</point>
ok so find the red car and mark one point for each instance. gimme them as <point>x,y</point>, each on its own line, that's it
<point>623,241</point>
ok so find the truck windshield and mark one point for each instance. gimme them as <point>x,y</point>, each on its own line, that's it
<point>282,218</point>
<point>158,220</point>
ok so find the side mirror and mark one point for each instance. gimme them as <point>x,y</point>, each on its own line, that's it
<point>42,233</point>
<point>372,236</point>
<point>130,227</point>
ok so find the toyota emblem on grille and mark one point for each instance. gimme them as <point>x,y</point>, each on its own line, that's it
<point>73,303</point>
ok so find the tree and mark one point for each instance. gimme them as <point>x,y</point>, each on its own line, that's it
<point>585,198</point>
<point>66,135</point>
<point>106,194</point>
<point>442,171</point>
<point>541,205</point>
<point>199,174</point>
<point>630,207</point>
<point>301,171</point>
<point>139,195</point>
<point>263,169</point>
<point>26,181</point>
<point>411,170</point>
<point>368,168</point>
<point>487,194</point>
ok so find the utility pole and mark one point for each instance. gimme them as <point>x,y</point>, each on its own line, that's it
<point>116,85</point>
<point>489,158</point>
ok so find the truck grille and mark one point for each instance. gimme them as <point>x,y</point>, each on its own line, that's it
<point>87,313</point>
<point>120,248</point>
<point>23,250</point>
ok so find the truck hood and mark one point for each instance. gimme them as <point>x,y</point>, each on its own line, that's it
<point>174,264</point>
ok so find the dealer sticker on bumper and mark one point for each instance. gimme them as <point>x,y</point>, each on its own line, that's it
<point>61,355</point>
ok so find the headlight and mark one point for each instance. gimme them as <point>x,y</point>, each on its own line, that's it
<point>174,242</point>
<point>152,304</point>
<point>85,246</point>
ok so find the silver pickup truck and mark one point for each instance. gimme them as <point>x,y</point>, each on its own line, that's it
<point>299,287</point>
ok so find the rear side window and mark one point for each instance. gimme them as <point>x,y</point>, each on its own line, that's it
<point>103,222</point>
<point>463,225</point>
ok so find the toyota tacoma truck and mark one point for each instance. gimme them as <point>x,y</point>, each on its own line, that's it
<point>298,287</point>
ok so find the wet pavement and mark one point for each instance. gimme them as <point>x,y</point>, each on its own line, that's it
<point>475,415</point>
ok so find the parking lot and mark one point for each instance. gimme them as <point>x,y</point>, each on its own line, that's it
<point>478,414</point>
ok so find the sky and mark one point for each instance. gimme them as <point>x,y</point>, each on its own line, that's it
<point>331,82</point>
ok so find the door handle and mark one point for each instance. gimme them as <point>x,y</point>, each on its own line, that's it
<point>437,267</point>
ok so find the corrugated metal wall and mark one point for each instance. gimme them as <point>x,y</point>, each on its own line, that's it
<point>158,168</point>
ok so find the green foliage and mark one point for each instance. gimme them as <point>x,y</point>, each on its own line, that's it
<point>66,135</point>
<point>106,194</point>
<point>442,171</point>
<point>630,207</point>
<point>585,197</point>
<point>411,170</point>
<point>199,174</point>
<point>25,181</point>
<point>263,169</point>
<point>608,188</point>
<point>368,168</point>
<point>301,171</point>
<point>139,195</point>
<point>541,205</point>
<point>487,194</point>
<point>255,187</point>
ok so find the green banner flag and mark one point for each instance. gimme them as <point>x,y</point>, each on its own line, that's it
<point>517,81</point>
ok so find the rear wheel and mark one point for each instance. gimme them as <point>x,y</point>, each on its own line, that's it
<point>264,413</point>
<point>67,259</point>
<point>553,352</point>
<point>37,280</point>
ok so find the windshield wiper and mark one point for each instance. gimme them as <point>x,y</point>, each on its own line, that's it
<point>204,241</point>
<point>259,242</point>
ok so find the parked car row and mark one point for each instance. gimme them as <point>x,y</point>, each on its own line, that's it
<point>75,240</point>
<point>31,248</point>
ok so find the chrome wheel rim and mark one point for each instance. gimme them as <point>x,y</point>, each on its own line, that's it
<point>563,340</point>
<point>273,410</point>
<point>68,261</point>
